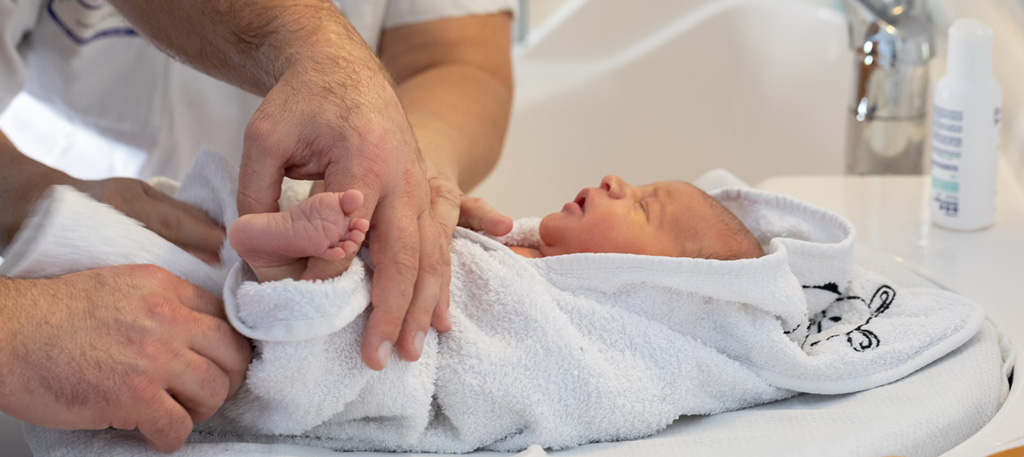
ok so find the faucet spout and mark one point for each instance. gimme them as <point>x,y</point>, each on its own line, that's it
<point>892,42</point>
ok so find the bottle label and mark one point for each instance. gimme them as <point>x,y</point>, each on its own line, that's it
<point>947,152</point>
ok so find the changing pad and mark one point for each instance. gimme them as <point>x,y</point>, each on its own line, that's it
<point>832,330</point>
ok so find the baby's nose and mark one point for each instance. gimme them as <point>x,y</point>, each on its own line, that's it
<point>612,184</point>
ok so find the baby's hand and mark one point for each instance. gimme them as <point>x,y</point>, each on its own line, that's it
<point>295,243</point>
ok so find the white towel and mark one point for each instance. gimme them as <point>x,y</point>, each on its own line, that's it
<point>572,349</point>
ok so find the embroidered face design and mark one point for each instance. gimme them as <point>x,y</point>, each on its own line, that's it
<point>849,317</point>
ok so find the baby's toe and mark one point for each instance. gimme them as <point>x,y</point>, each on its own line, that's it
<point>350,246</point>
<point>351,200</point>
<point>335,253</point>
<point>359,225</point>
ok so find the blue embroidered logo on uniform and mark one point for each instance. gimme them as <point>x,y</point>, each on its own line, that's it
<point>88,20</point>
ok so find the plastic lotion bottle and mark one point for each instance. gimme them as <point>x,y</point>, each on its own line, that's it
<point>965,131</point>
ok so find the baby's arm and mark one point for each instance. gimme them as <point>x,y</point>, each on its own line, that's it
<point>279,245</point>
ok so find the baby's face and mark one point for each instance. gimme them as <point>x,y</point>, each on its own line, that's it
<point>620,218</point>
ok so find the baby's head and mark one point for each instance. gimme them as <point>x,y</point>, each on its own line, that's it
<point>670,218</point>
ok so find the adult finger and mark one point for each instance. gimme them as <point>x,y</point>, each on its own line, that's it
<point>341,179</point>
<point>395,251</point>
<point>445,209</point>
<point>207,257</point>
<point>477,214</point>
<point>427,292</point>
<point>164,423</point>
<point>215,340</point>
<point>441,319</point>
<point>199,385</point>
<point>198,299</point>
<point>264,154</point>
<point>181,223</point>
<point>197,235</point>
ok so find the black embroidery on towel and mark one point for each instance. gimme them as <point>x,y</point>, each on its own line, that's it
<point>830,287</point>
<point>860,338</point>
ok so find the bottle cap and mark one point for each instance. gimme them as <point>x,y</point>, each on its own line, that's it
<point>970,50</point>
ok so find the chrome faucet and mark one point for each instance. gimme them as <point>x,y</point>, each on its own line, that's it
<point>892,40</point>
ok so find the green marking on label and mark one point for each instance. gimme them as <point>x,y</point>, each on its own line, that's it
<point>945,185</point>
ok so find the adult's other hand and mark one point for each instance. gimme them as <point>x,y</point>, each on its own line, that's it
<point>23,181</point>
<point>128,347</point>
<point>182,224</point>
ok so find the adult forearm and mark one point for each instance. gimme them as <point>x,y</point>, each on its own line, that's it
<point>22,181</point>
<point>455,83</point>
<point>459,115</point>
<point>253,43</point>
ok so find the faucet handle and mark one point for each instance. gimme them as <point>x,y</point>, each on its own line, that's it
<point>893,31</point>
<point>892,10</point>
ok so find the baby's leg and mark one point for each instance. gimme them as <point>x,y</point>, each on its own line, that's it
<point>277,245</point>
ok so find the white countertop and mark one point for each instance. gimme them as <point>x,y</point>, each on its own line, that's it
<point>890,214</point>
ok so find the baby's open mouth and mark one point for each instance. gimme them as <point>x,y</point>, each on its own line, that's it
<point>581,199</point>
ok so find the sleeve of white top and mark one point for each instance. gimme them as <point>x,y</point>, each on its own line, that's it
<point>403,12</point>
<point>17,18</point>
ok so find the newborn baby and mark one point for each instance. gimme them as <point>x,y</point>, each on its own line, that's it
<point>671,218</point>
<point>507,304</point>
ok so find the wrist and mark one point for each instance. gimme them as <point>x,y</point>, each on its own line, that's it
<point>314,41</point>
<point>22,182</point>
<point>11,300</point>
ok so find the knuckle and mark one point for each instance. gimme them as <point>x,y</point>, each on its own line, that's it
<point>163,310</point>
<point>433,267</point>
<point>152,272</point>
<point>214,389</point>
<point>442,190</point>
<point>406,275</point>
<point>404,264</point>
<point>140,389</point>
<point>259,131</point>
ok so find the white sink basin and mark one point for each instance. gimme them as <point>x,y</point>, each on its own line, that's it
<point>670,90</point>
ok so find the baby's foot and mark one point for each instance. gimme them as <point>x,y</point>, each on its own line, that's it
<point>277,245</point>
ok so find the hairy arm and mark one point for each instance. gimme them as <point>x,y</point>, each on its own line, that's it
<point>454,79</point>
<point>251,44</point>
<point>331,112</point>
<point>22,181</point>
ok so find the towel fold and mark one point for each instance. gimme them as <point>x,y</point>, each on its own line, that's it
<point>558,351</point>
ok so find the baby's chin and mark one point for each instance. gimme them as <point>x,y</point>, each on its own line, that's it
<point>547,224</point>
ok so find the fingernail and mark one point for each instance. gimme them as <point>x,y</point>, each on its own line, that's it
<point>384,352</point>
<point>420,336</point>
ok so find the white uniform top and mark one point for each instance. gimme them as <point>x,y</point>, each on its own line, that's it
<point>84,60</point>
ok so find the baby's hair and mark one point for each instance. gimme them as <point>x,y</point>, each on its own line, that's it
<point>737,241</point>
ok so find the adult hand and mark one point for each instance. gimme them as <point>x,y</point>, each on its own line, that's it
<point>449,207</point>
<point>23,181</point>
<point>182,224</point>
<point>354,135</point>
<point>128,347</point>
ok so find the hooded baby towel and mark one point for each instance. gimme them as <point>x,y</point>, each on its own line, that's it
<point>565,350</point>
